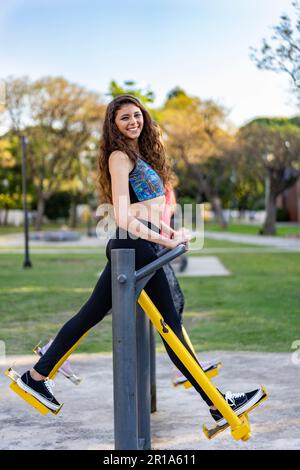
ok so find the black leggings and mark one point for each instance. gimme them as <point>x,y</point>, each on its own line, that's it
<point>100,302</point>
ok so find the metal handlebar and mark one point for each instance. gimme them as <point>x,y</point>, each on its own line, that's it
<point>164,257</point>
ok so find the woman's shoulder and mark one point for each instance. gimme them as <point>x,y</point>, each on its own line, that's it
<point>118,157</point>
<point>118,154</point>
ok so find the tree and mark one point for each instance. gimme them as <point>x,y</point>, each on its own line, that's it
<point>82,178</point>
<point>248,191</point>
<point>63,118</point>
<point>131,88</point>
<point>17,102</point>
<point>199,147</point>
<point>270,149</point>
<point>10,176</point>
<point>176,91</point>
<point>281,54</point>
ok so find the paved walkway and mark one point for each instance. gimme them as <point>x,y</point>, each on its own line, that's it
<point>17,240</point>
<point>279,242</point>
<point>199,266</point>
<point>86,419</point>
<point>14,243</point>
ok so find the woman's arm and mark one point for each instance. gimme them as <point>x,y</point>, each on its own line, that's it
<point>174,234</point>
<point>167,229</point>
<point>119,167</point>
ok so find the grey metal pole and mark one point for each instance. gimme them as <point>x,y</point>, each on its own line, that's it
<point>133,392</point>
<point>152,369</point>
<point>143,378</point>
<point>124,349</point>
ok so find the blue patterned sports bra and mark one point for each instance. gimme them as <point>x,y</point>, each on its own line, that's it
<point>145,183</point>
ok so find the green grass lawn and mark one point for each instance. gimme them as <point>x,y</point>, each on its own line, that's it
<point>256,308</point>
<point>253,229</point>
<point>35,302</point>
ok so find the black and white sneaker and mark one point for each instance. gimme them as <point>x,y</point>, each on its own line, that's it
<point>39,389</point>
<point>239,402</point>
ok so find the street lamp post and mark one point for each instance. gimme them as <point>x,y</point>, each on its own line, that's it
<point>27,262</point>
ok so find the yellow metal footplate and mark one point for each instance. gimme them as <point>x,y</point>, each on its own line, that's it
<point>14,376</point>
<point>240,427</point>
<point>213,432</point>
<point>213,372</point>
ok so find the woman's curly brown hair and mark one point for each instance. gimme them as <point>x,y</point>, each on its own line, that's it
<point>151,147</point>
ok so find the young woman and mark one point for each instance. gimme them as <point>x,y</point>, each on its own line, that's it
<point>133,171</point>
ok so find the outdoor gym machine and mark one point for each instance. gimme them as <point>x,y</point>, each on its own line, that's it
<point>131,355</point>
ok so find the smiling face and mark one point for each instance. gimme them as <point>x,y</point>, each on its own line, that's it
<point>129,120</point>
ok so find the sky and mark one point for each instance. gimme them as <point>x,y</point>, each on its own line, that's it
<point>202,46</point>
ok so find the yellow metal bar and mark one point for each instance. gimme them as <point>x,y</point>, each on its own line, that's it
<point>240,427</point>
<point>187,339</point>
<point>210,374</point>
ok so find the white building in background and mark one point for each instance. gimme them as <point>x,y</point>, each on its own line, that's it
<point>14,216</point>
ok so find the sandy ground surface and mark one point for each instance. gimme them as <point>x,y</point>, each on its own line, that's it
<point>86,419</point>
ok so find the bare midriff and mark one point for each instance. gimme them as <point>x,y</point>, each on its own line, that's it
<point>150,210</point>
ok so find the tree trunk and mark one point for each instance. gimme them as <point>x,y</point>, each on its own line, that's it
<point>5,219</point>
<point>73,214</point>
<point>214,199</point>
<point>40,212</point>
<point>269,226</point>
<point>217,208</point>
